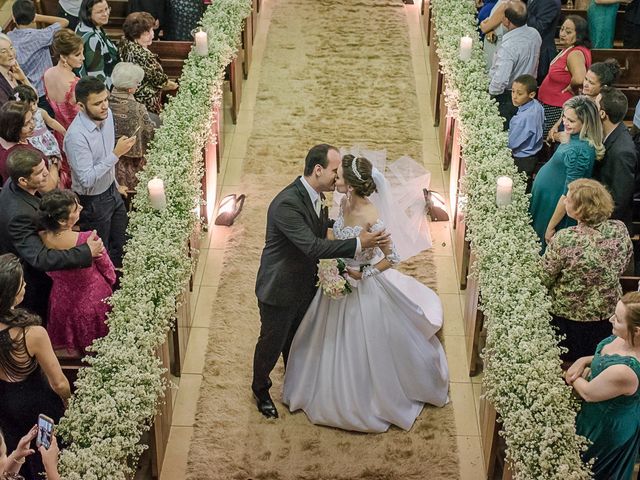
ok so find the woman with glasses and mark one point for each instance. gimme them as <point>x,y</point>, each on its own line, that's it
<point>100,53</point>
<point>11,75</point>
<point>31,380</point>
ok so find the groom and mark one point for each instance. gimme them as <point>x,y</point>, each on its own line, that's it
<point>297,224</point>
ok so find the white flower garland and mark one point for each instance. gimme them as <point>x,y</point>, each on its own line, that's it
<point>118,394</point>
<point>522,374</point>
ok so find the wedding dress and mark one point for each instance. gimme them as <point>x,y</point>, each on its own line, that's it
<point>371,358</point>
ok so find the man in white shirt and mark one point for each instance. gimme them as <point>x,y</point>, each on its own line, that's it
<point>517,55</point>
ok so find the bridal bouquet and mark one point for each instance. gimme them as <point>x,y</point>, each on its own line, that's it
<point>333,278</point>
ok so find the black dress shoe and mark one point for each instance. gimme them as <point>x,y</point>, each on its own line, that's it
<point>266,407</point>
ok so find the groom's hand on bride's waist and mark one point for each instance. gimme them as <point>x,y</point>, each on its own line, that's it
<point>374,239</point>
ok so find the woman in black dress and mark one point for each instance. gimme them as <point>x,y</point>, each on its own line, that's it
<point>31,380</point>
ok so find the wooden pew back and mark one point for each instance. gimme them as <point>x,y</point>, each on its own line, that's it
<point>629,60</point>
<point>172,55</point>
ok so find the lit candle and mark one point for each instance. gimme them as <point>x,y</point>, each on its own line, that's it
<point>157,197</point>
<point>202,45</point>
<point>503,191</point>
<point>465,48</point>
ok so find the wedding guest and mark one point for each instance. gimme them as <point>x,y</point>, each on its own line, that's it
<point>73,325</point>
<point>574,158</point>
<point>41,138</point>
<point>60,81</point>
<point>619,166</point>
<point>544,16</point>
<point>158,10</point>
<point>93,153</point>
<point>134,48</point>
<point>600,74</point>
<point>10,464</point>
<point>608,382</point>
<point>631,28</point>
<point>31,380</point>
<point>184,16</point>
<point>130,116</point>
<point>11,75</point>
<point>70,9</point>
<point>493,30</point>
<point>32,44</point>
<point>601,17</point>
<point>19,233</point>
<point>567,69</point>
<point>484,12</point>
<point>100,53</point>
<point>582,267</point>
<point>16,126</point>
<point>525,128</point>
<point>517,55</point>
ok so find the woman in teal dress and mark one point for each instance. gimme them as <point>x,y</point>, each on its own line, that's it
<point>581,145</point>
<point>602,22</point>
<point>608,382</point>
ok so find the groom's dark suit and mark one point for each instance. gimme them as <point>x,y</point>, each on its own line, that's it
<point>286,281</point>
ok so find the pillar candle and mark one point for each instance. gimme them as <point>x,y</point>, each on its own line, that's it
<point>202,46</point>
<point>503,191</point>
<point>465,48</point>
<point>157,197</point>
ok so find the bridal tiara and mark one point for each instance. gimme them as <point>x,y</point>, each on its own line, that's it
<point>354,167</point>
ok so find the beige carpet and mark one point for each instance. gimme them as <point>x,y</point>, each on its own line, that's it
<point>335,71</point>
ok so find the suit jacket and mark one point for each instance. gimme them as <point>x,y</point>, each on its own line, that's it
<point>19,235</point>
<point>543,15</point>
<point>617,171</point>
<point>295,241</point>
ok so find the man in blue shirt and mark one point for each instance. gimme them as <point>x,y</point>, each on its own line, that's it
<point>92,154</point>
<point>525,128</point>
<point>32,44</point>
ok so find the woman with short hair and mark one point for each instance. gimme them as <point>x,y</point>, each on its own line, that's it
<point>134,47</point>
<point>128,115</point>
<point>582,267</point>
<point>11,75</point>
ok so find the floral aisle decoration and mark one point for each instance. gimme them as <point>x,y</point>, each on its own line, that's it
<point>522,374</point>
<point>118,393</point>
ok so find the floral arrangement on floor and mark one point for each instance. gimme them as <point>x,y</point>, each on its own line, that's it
<point>333,278</point>
<point>522,375</point>
<point>118,393</point>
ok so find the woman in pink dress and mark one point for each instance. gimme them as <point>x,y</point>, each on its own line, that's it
<point>77,303</point>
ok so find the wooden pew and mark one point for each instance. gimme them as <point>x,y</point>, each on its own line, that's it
<point>629,60</point>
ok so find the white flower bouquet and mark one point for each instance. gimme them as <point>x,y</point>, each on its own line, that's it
<point>333,278</point>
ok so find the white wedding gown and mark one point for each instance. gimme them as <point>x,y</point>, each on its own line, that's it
<point>369,359</point>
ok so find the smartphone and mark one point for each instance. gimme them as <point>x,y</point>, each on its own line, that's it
<point>45,431</point>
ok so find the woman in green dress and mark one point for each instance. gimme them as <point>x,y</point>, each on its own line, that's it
<point>602,22</point>
<point>581,145</point>
<point>608,383</point>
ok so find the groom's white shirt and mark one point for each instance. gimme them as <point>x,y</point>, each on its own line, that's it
<point>313,195</point>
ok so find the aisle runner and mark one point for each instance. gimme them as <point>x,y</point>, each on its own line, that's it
<point>336,71</point>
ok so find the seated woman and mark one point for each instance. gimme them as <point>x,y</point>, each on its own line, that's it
<point>11,75</point>
<point>608,384</point>
<point>600,74</point>
<point>77,307</point>
<point>567,70</point>
<point>134,48</point>
<point>31,380</point>
<point>574,158</point>
<point>582,267</point>
<point>130,118</point>
<point>100,53</point>
<point>16,126</point>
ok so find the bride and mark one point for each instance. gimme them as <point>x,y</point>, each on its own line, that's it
<point>371,358</point>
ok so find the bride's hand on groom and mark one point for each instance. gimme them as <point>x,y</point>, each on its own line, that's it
<point>380,239</point>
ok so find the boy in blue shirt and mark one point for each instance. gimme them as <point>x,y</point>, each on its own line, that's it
<point>525,128</point>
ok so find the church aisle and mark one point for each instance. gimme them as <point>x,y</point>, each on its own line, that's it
<point>229,428</point>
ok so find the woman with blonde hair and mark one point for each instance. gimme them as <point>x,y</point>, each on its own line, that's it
<point>582,267</point>
<point>581,144</point>
<point>608,383</point>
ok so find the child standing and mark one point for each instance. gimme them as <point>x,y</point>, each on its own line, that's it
<point>42,138</point>
<point>525,128</point>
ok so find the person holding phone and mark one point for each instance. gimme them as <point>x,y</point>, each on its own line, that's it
<point>31,380</point>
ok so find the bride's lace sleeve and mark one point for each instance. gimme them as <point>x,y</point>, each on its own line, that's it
<point>393,257</point>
